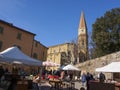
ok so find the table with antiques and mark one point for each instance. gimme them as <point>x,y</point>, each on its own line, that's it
<point>55,83</point>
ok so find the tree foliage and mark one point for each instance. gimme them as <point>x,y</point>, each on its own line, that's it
<point>106,33</point>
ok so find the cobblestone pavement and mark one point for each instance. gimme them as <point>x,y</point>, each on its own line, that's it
<point>78,85</point>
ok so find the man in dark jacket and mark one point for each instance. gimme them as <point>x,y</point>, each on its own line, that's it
<point>102,77</point>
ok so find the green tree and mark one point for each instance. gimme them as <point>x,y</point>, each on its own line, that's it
<point>106,33</point>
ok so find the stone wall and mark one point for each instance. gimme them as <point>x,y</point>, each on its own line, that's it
<point>91,65</point>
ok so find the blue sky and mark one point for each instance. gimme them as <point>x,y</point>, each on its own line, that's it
<point>54,21</point>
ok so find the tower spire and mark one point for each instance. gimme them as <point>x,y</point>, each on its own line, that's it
<point>82,24</point>
<point>82,21</point>
<point>82,39</point>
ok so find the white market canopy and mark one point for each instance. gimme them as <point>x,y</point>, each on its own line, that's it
<point>15,55</point>
<point>112,67</point>
<point>70,67</point>
<point>49,63</point>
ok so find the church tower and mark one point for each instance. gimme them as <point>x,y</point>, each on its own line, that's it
<point>82,39</point>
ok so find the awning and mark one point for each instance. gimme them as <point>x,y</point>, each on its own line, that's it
<point>15,55</point>
<point>112,67</point>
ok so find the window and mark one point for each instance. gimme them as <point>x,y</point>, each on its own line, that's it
<point>36,44</point>
<point>19,36</point>
<point>35,55</point>
<point>1,30</point>
<point>1,44</point>
<point>82,43</point>
<point>43,54</point>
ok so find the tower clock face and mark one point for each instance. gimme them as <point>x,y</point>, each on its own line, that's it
<point>81,31</point>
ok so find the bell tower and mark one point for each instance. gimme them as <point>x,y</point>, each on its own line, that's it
<point>82,39</point>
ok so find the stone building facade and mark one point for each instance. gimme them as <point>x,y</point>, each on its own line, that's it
<point>11,35</point>
<point>60,54</point>
<point>39,51</point>
<point>65,53</point>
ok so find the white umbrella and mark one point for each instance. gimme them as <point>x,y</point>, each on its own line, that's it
<point>71,67</point>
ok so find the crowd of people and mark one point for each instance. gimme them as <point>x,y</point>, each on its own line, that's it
<point>87,77</point>
<point>52,74</point>
<point>57,74</point>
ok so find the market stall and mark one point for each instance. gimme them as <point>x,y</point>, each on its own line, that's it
<point>111,84</point>
<point>15,57</point>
